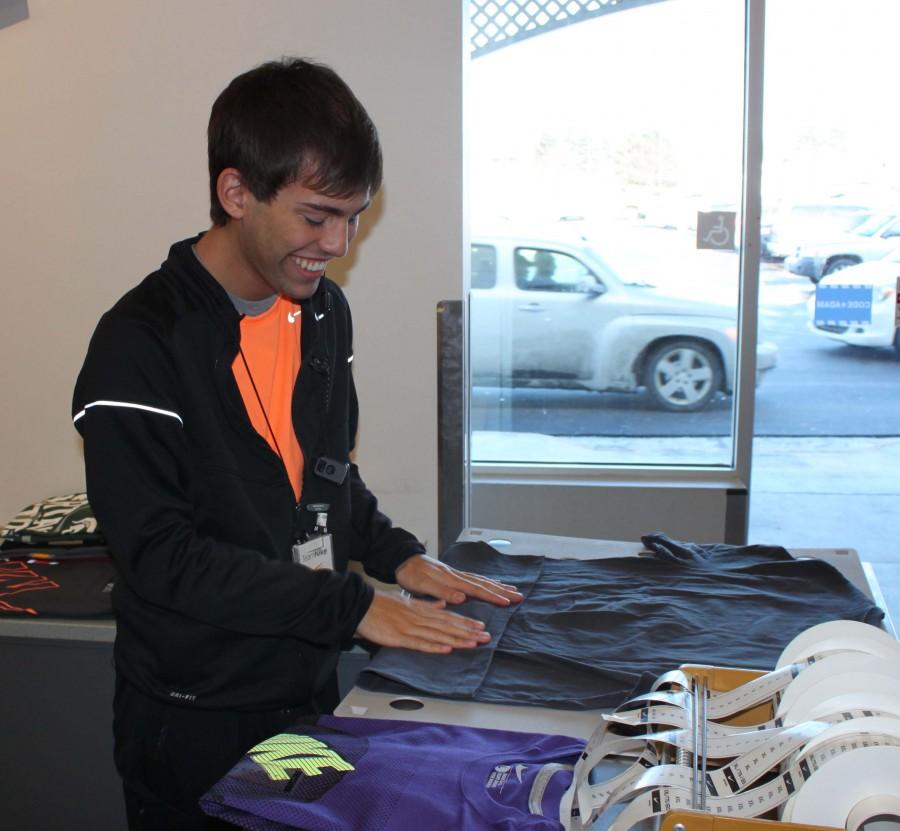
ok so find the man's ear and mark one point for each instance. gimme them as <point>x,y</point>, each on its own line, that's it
<point>232,192</point>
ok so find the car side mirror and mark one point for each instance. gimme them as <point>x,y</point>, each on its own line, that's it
<point>592,288</point>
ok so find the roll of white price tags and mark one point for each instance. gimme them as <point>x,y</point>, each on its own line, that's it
<point>667,787</point>
<point>722,704</point>
<point>852,789</point>
<point>838,636</point>
<point>853,665</point>
<point>834,695</point>
<point>865,693</point>
<point>852,730</point>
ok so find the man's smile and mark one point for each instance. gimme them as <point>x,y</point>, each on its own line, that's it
<point>315,266</point>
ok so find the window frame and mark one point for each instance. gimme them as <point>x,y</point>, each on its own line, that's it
<point>555,483</point>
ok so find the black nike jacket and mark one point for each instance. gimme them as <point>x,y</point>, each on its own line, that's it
<point>198,510</point>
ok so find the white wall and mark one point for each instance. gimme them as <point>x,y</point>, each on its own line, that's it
<point>103,110</point>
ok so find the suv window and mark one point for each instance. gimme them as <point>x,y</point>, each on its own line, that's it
<point>893,230</point>
<point>871,226</point>
<point>539,269</point>
<point>484,266</point>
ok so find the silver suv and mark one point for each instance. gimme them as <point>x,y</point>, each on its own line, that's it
<point>788,229</point>
<point>550,313</point>
<point>870,241</point>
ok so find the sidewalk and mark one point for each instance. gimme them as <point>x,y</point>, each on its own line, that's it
<point>828,492</point>
<point>831,493</point>
<point>810,492</point>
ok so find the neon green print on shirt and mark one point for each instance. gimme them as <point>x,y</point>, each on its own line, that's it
<point>286,753</point>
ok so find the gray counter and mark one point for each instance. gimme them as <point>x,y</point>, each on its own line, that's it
<point>56,768</point>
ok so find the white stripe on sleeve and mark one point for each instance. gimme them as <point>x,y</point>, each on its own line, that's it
<point>130,405</point>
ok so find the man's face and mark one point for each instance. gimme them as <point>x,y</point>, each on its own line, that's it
<point>286,243</point>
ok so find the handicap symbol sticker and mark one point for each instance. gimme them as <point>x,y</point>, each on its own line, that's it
<point>715,229</point>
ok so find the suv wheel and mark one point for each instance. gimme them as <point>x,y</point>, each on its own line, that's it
<point>838,264</point>
<point>682,375</point>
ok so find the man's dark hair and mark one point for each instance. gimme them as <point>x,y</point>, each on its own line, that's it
<point>292,120</point>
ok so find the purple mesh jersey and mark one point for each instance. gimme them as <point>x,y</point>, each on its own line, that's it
<point>346,773</point>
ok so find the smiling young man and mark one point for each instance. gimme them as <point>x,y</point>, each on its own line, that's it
<point>218,413</point>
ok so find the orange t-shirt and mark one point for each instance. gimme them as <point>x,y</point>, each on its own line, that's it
<point>270,343</point>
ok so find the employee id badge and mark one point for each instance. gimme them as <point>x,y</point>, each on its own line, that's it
<point>315,553</point>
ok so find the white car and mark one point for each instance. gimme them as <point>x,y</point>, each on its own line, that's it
<point>786,230</point>
<point>551,313</point>
<point>876,237</point>
<point>858,305</point>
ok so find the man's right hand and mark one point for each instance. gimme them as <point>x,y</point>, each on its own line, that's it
<point>426,626</point>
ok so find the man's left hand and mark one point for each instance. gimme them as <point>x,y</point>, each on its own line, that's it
<point>423,575</point>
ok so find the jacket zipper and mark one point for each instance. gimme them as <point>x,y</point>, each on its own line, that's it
<point>320,366</point>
